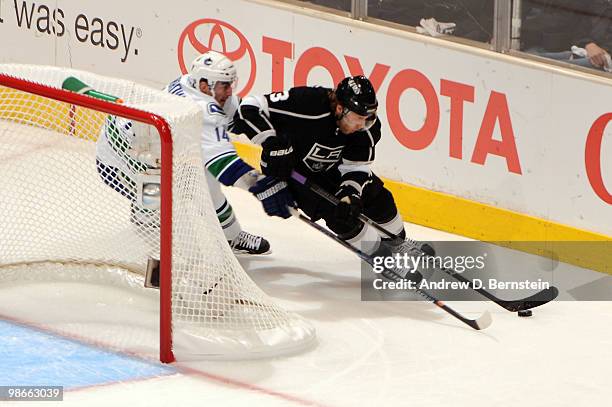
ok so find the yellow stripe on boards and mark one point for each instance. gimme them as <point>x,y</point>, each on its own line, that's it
<point>491,224</point>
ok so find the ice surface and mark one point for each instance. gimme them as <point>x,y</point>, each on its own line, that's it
<point>375,353</point>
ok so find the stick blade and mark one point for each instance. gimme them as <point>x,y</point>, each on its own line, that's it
<point>483,321</point>
<point>75,85</point>
<point>536,300</point>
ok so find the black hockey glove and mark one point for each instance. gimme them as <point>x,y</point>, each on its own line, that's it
<point>277,157</point>
<point>350,206</point>
<point>274,196</point>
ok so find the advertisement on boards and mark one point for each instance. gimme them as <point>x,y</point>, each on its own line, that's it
<point>476,125</point>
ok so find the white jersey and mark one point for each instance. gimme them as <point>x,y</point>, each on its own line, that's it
<point>118,146</point>
<point>126,149</point>
<point>219,154</point>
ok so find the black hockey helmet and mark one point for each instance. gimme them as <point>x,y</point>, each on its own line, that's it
<point>357,94</point>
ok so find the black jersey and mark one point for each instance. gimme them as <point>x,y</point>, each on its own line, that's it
<point>303,116</point>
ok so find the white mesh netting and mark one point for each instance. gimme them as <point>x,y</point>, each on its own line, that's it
<point>64,200</point>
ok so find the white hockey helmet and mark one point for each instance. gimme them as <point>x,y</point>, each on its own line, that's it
<point>213,67</point>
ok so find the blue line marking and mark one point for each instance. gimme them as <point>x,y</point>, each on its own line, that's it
<point>34,358</point>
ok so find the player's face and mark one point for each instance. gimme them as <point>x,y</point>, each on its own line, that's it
<point>223,90</point>
<point>352,122</point>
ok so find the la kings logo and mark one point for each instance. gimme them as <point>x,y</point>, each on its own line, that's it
<point>322,158</point>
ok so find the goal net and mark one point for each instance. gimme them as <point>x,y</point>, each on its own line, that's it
<point>93,191</point>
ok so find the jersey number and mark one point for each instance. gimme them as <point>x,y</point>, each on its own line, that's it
<point>221,134</point>
<point>277,97</point>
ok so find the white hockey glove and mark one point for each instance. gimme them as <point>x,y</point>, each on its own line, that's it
<point>435,28</point>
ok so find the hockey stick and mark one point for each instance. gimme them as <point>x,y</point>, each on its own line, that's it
<point>539,298</point>
<point>76,85</point>
<point>482,322</point>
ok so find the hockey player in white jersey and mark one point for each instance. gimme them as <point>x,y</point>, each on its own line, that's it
<point>126,148</point>
<point>210,83</point>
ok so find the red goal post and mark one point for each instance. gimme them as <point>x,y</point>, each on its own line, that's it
<point>165,316</point>
<point>217,309</point>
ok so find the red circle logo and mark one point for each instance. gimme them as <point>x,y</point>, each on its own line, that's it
<point>210,34</point>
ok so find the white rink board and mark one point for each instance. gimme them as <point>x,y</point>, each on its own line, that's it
<point>549,112</point>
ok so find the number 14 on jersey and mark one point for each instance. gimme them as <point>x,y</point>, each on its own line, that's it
<point>221,134</point>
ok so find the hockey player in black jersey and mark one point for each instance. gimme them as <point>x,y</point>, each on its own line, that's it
<point>329,136</point>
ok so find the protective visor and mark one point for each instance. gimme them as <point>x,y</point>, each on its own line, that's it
<point>355,120</point>
<point>371,118</point>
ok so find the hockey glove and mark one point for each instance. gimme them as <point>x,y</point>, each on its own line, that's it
<point>350,206</point>
<point>274,196</point>
<point>277,158</point>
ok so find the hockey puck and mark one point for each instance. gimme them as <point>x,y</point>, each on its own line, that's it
<point>525,313</point>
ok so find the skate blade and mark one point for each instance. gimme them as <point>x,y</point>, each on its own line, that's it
<point>245,253</point>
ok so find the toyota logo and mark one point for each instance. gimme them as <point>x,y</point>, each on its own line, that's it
<point>210,34</point>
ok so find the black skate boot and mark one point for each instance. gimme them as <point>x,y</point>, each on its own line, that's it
<point>246,243</point>
<point>412,247</point>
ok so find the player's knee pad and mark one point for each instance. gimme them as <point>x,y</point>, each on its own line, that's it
<point>395,225</point>
<point>365,238</point>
